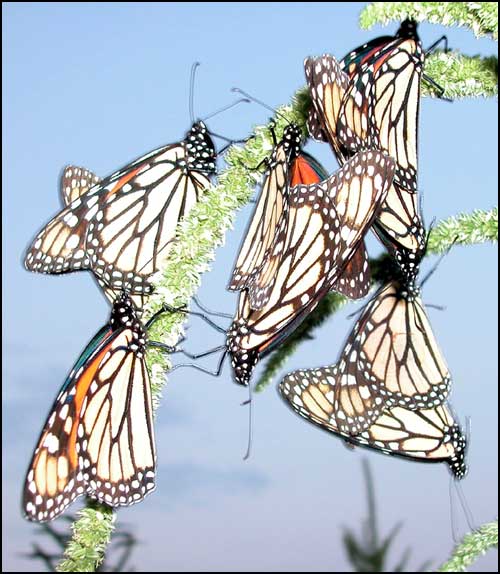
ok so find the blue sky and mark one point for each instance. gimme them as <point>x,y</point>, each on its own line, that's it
<point>99,84</point>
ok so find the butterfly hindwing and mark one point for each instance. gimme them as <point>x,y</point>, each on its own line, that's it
<point>428,435</point>
<point>355,280</point>
<point>75,182</point>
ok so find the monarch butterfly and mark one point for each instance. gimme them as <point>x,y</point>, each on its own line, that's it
<point>324,227</point>
<point>122,228</point>
<point>371,101</point>
<point>426,435</point>
<point>287,167</point>
<point>283,166</point>
<point>98,438</point>
<point>391,358</point>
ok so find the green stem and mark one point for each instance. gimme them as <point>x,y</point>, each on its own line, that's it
<point>473,545</point>
<point>91,536</point>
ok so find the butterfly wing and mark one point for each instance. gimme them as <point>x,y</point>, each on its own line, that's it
<point>117,439</point>
<point>60,246</point>
<point>267,216</point>
<point>391,358</point>
<point>315,127</point>
<point>305,170</point>
<point>98,439</point>
<point>355,280</point>
<point>54,477</point>
<point>427,435</point>
<point>326,222</point>
<point>75,182</point>
<point>327,86</point>
<point>399,224</point>
<point>386,85</point>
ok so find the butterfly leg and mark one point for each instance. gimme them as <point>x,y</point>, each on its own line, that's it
<point>208,311</point>
<point>439,89</point>
<point>168,308</point>
<point>432,47</point>
<point>215,373</point>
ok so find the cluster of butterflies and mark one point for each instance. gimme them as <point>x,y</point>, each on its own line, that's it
<point>388,389</point>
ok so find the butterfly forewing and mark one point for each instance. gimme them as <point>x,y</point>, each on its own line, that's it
<point>54,477</point>
<point>386,86</point>
<point>268,214</point>
<point>327,84</point>
<point>116,429</point>
<point>305,170</point>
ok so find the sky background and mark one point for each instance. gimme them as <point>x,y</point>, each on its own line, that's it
<point>100,84</point>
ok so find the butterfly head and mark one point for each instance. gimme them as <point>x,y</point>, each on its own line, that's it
<point>124,315</point>
<point>457,463</point>
<point>200,148</point>
<point>243,360</point>
<point>408,30</point>
<point>408,262</point>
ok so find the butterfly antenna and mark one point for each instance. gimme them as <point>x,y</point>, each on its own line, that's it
<point>356,313</point>
<point>453,519</point>
<point>434,306</point>
<point>194,67</point>
<point>260,102</point>
<point>466,508</point>
<point>224,109</point>
<point>249,402</point>
<point>438,262</point>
